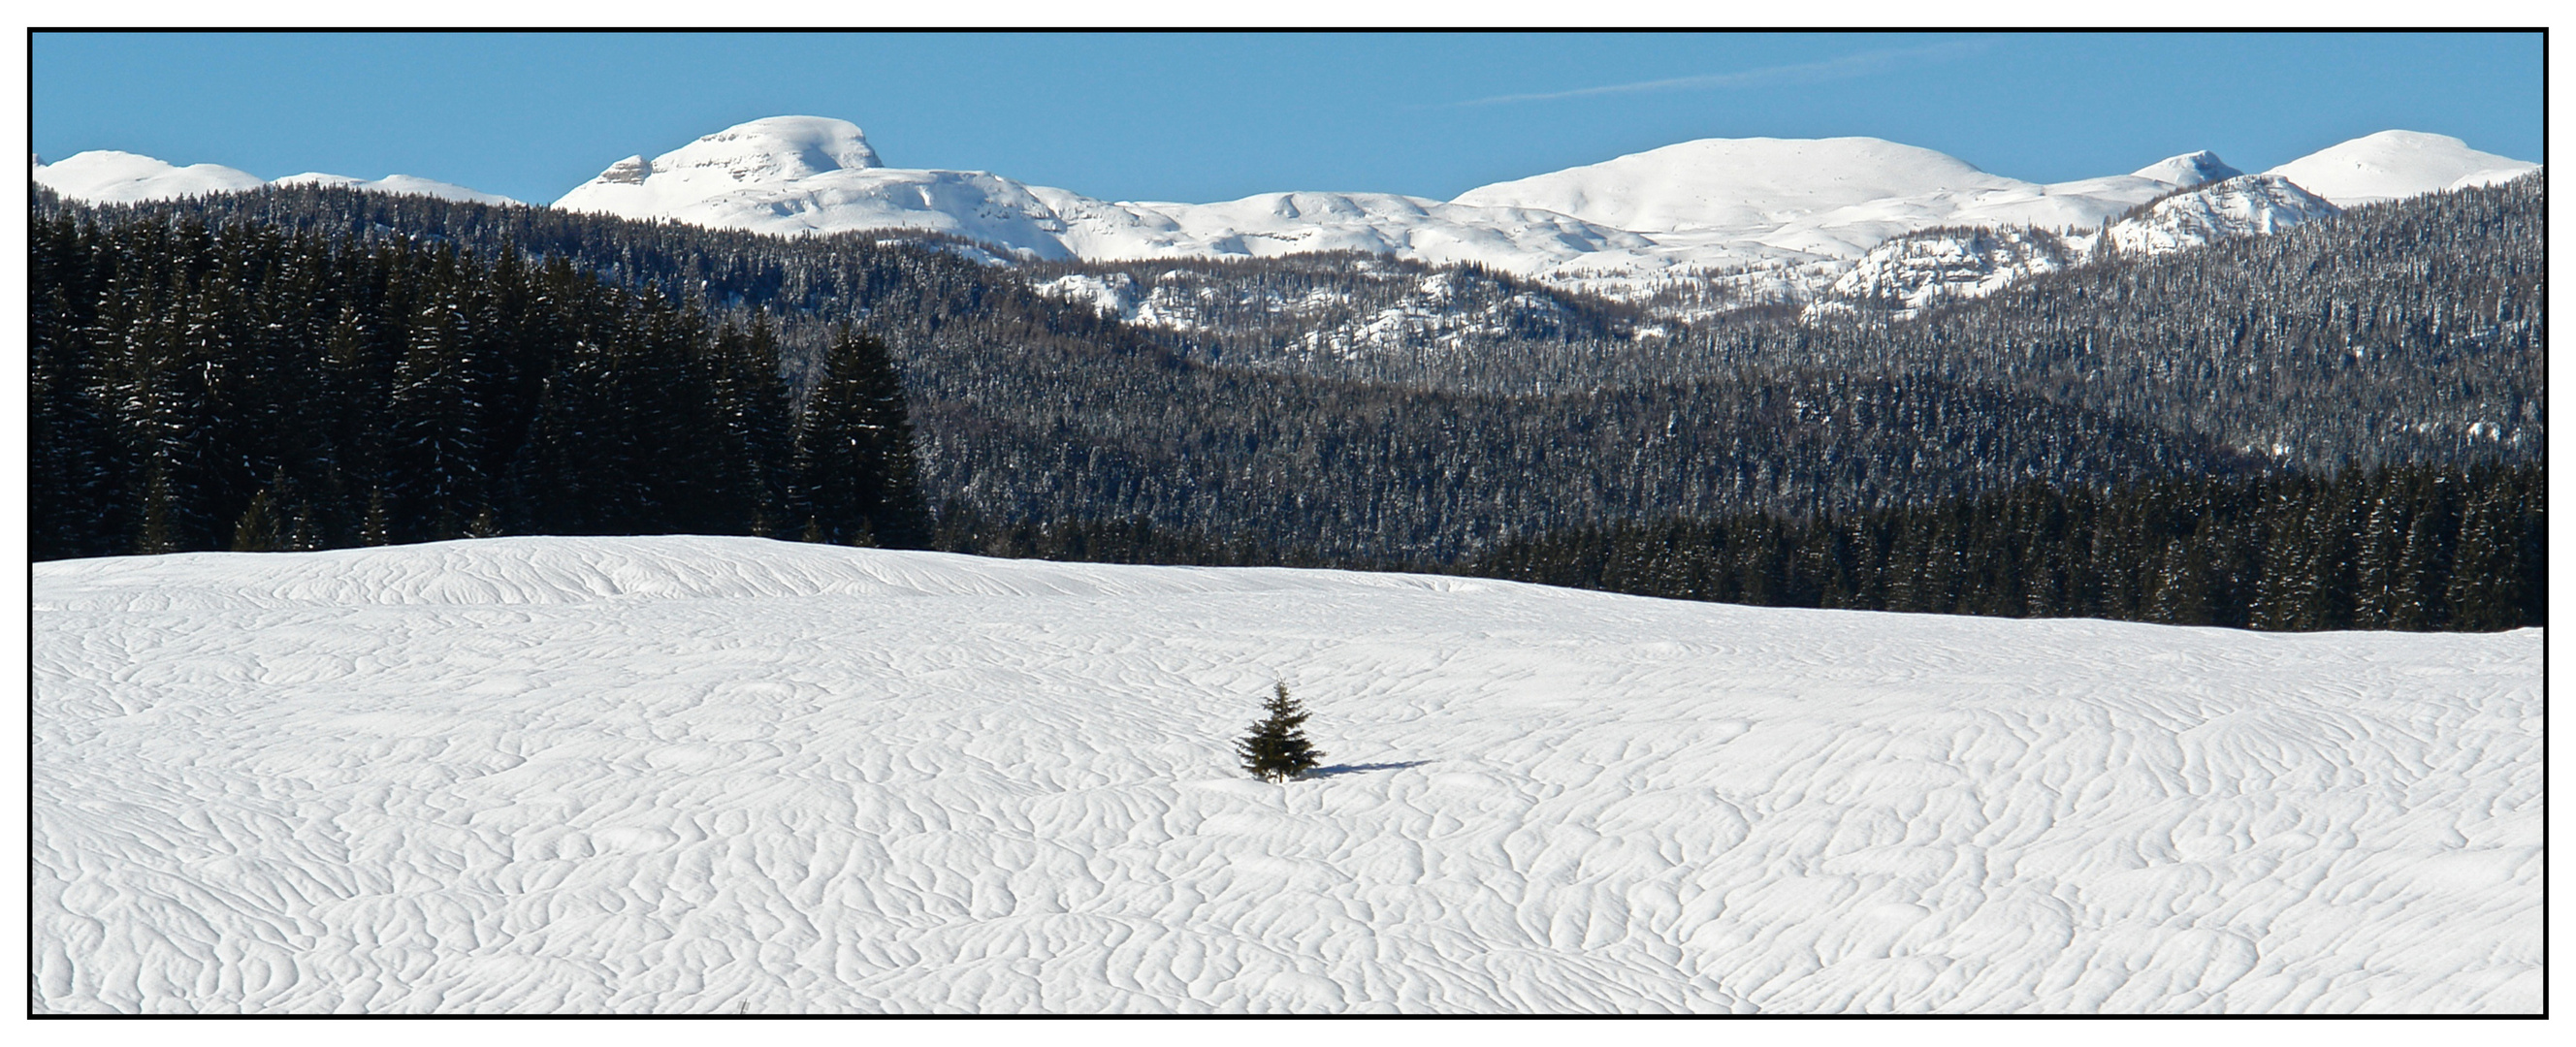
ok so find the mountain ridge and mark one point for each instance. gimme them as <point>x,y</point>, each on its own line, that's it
<point>1768,219</point>
<point>2391,165</point>
<point>110,176</point>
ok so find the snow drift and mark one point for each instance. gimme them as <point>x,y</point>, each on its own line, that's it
<point>703,775</point>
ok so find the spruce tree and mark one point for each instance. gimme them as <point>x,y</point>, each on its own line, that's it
<point>1277,749</point>
<point>259,530</point>
<point>855,473</point>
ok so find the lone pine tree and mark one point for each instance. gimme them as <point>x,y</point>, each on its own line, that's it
<point>1277,749</point>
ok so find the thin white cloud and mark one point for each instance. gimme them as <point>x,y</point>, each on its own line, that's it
<point>1846,67</point>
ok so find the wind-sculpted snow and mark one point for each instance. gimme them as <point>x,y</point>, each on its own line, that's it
<point>705,775</point>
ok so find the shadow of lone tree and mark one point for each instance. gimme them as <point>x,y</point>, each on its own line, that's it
<point>1277,749</point>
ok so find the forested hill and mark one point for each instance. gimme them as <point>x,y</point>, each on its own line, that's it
<point>240,387</point>
<point>2410,331</point>
<point>2405,332</point>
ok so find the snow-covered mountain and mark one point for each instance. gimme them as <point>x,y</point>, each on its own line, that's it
<point>2396,164</point>
<point>1917,269</point>
<point>1737,204</point>
<point>2249,205</point>
<point>2189,169</point>
<point>1912,271</point>
<point>1833,197</point>
<point>398,185</point>
<point>1755,218</point>
<point>799,174</point>
<point>1743,184</point>
<point>110,177</point>
<point>1796,218</point>
<point>703,775</point>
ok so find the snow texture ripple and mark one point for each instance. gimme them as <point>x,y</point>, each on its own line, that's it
<point>691,775</point>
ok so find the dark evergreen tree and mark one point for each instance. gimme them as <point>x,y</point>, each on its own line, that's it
<point>856,479</point>
<point>1276,749</point>
<point>260,529</point>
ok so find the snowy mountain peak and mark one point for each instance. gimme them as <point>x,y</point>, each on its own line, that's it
<point>630,171</point>
<point>2189,169</point>
<point>764,157</point>
<point>776,147</point>
<point>2247,205</point>
<point>405,185</point>
<point>2394,164</point>
<point>109,177</point>
<point>1723,183</point>
<point>1768,218</point>
<point>1911,272</point>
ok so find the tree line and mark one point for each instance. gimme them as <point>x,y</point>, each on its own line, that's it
<point>2409,547</point>
<point>235,385</point>
<point>579,374</point>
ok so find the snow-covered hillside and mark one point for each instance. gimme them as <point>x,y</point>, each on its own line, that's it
<point>1912,271</point>
<point>1741,220</point>
<point>2250,205</point>
<point>110,177</point>
<point>1720,203</point>
<point>703,775</point>
<point>1828,196</point>
<point>1765,218</point>
<point>2395,164</point>
<point>799,174</point>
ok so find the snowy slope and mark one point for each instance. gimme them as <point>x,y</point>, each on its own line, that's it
<point>109,177</point>
<point>399,185</point>
<point>1768,217</point>
<point>2189,169</point>
<point>1752,219</point>
<point>702,775</point>
<point>1832,196</point>
<point>2395,164</point>
<point>1739,183</point>
<point>1780,215</point>
<point>1912,271</point>
<point>2250,205</point>
<point>801,174</point>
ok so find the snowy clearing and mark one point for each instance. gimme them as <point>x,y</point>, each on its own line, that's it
<point>702,774</point>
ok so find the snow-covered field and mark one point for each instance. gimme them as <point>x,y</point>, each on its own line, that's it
<point>703,775</point>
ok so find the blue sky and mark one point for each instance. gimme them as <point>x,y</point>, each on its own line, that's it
<point>1214,117</point>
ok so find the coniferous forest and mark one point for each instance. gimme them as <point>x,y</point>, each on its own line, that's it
<point>2413,547</point>
<point>238,387</point>
<point>2338,426</point>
